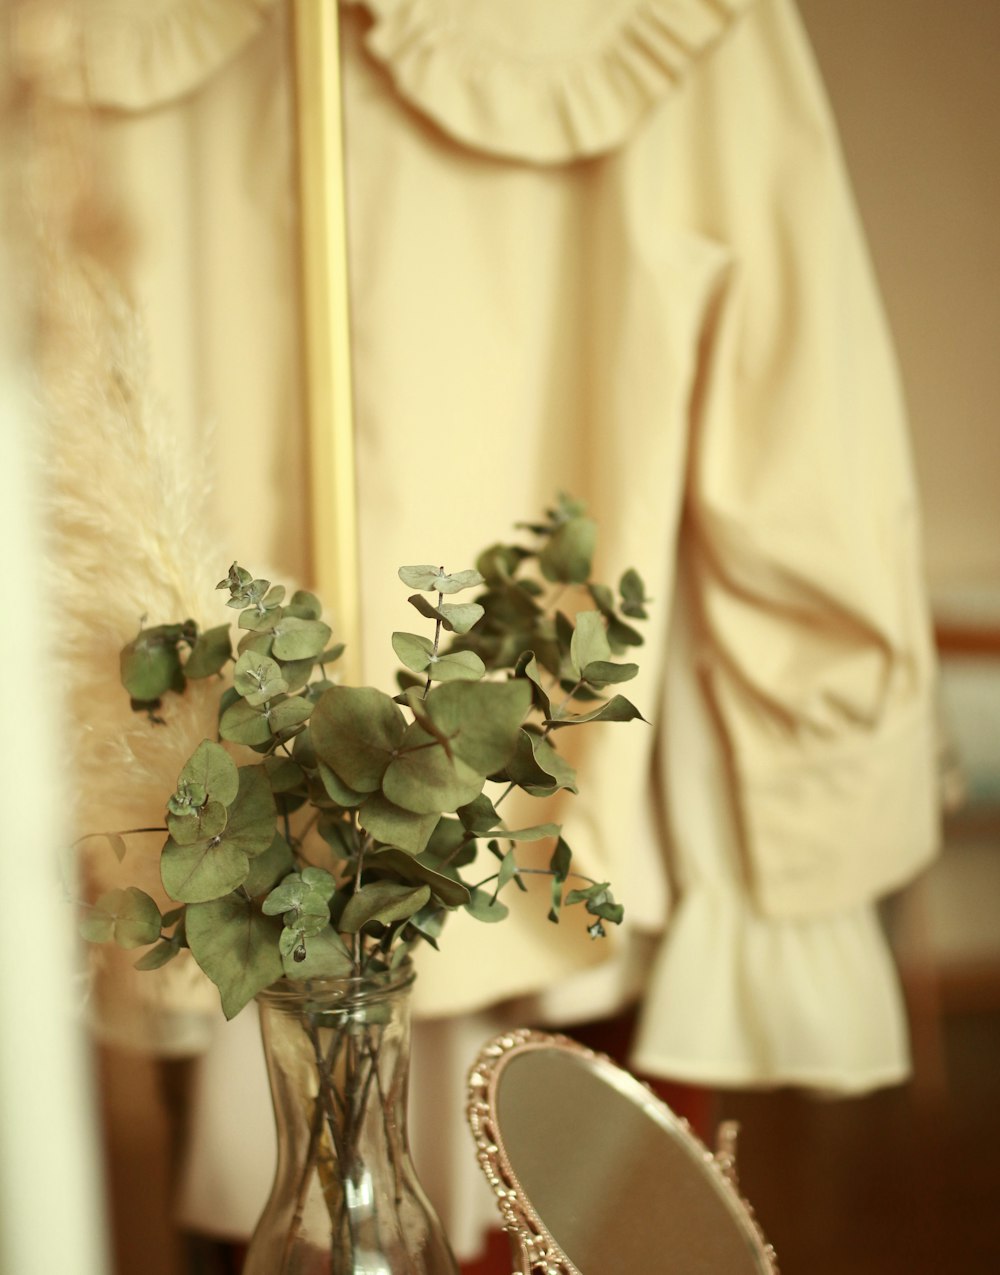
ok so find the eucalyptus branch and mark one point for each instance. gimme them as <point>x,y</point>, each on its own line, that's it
<point>324,1097</point>
<point>536,872</point>
<point>118,832</point>
<point>464,844</point>
<point>566,699</point>
<point>506,793</point>
<point>357,947</point>
<point>437,642</point>
<point>462,723</point>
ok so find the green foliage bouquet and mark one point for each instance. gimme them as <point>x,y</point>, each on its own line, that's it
<point>356,829</point>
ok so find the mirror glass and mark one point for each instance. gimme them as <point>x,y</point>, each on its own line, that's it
<point>611,1174</point>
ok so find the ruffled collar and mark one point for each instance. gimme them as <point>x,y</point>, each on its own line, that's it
<point>136,54</point>
<point>542,81</point>
<point>546,81</point>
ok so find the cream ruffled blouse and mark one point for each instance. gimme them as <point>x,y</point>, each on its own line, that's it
<point>605,246</point>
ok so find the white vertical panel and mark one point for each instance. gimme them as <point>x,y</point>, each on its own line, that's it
<point>51,1207</point>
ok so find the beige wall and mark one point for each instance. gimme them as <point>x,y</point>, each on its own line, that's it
<point>916,90</point>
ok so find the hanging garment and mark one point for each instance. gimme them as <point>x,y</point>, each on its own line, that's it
<point>616,245</point>
<point>608,248</point>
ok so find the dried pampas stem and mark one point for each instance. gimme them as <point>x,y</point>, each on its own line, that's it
<point>130,537</point>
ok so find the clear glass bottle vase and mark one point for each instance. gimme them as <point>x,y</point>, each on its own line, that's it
<point>345,1200</point>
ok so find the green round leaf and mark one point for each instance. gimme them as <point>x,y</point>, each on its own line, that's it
<point>259,642</point>
<point>421,577</point>
<point>187,798</point>
<point>200,825</point>
<point>384,902</point>
<point>204,870</point>
<point>633,594</point>
<point>589,643</point>
<point>138,920</point>
<point>236,580</point>
<point>457,581</point>
<point>527,666</point>
<point>259,621</point>
<point>413,650</point>
<point>459,617</point>
<point>267,869</point>
<point>288,713</point>
<point>430,579</point>
<point>210,653</point>
<point>356,731</point>
<point>306,606</point>
<point>484,907</point>
<point>616,709</point>
<point>456,617</point>
<point>424,605</point>
<point>422,778</point>
<point>159,955</point>
<point>297,673</point>
<point>258,678</point>
<point>450,892</point>
<point>567,555</point>
<point>212,867</point>
<point>129,916</point>
<point>429,922</point>
<point>479,816</point>
<point>285,897</point>
<point>212,767</point>
<point>325,956</point>
<point>337,790</point>
<point>460,666</point>
<point>603,672</point>
<point>482,721</point>
<point>297,639</point>
<point>283,774</point>
<point>253,814</point>
<point>150,667</point>
<point>242,723</point>
<point>395,826</point>
<point>237,948</point>
<point>320,882</point>
<point>537,767</point>
<point>98,923</point>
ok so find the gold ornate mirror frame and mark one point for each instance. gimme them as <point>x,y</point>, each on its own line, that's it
<point>536,1250</point>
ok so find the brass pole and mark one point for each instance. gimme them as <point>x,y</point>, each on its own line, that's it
<point>326,330</point>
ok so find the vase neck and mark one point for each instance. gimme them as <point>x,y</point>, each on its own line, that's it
<point>338,1058</point>
<point>345,1189</point>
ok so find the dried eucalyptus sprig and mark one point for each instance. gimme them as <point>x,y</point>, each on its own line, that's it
<point>358,830</point>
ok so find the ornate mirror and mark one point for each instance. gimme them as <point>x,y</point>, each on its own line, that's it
<point>593,1173</point>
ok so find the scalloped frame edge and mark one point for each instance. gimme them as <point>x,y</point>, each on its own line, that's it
<point>534,1249</point>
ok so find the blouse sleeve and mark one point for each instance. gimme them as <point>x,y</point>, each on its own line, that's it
<point>801,517</point>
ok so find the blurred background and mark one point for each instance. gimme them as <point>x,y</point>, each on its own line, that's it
<point>901,1181</point>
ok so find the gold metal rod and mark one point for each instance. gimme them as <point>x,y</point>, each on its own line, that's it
<point>326,321</point>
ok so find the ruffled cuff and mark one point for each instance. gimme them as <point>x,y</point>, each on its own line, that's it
<point>739,1000</point>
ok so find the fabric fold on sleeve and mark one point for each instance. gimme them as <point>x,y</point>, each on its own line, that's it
<point>801,521</point>
<point>734,996</point>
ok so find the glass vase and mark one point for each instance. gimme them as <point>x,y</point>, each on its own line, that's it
<point>345,1200</point>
